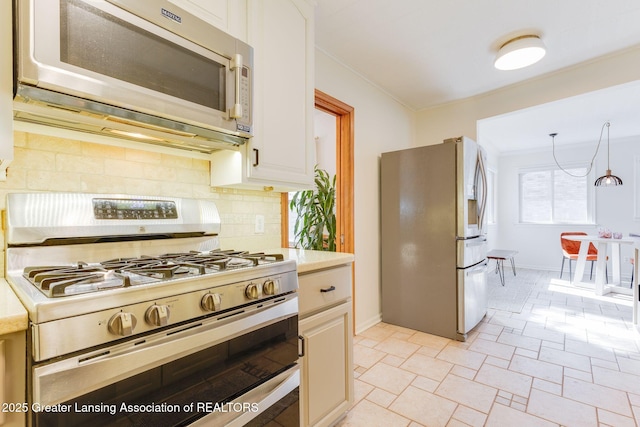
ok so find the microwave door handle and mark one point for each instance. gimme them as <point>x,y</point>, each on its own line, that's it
<point>236,65</point>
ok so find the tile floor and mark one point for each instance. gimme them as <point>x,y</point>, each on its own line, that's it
<point>568,358</point>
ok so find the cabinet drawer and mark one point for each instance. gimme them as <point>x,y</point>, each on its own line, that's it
<point>324,288</point>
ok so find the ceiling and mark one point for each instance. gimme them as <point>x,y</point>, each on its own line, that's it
<point>442,51</point>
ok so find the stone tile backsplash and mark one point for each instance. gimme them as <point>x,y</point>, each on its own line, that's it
<point>47,163</point>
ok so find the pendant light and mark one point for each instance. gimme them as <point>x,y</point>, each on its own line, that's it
<point>607,179</point>
<point>520,52</point>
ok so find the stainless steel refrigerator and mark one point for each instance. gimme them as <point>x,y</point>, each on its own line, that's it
<point>433,237</point>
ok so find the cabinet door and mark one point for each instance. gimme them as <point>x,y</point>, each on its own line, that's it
<point>326,386</point>
<point>281,154</point>
<point>12,378</point>
<point>282,149</point>
<point>227,15</point>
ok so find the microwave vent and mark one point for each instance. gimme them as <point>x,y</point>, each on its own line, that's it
<point>42,106</point>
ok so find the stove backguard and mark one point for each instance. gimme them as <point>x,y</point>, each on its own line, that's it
<point>70,218</point>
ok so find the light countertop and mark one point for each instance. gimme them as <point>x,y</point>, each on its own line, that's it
<point>309,261</point>
<point>13,315</point>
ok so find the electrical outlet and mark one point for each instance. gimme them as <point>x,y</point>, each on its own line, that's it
<point>259,229</point>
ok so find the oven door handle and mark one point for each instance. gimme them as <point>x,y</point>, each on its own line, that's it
<point>261,399</point>
<point>64,380</point>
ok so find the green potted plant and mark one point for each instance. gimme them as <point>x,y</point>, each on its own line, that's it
<point>315,226</point>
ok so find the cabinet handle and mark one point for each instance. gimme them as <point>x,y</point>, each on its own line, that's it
<point>301,346</point>
<point>332,288</point>
<point>257,161</point>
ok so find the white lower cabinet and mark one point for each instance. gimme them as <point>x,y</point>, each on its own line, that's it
<point>12,380</point>
<point>326,383</point>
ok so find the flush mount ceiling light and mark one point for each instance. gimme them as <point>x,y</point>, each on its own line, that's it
<point>607,179</point>
<point>520,52</point>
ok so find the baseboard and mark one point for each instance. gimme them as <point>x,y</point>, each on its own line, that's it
<point>363,326</point>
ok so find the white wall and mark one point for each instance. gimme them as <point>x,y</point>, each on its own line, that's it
<point>614,206</point>
<point>381,124</point>
<point>539,245</point>
<point>460,117</point>
<point>324,131</point>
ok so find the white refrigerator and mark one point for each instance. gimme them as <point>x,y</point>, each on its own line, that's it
<point>433,237</point>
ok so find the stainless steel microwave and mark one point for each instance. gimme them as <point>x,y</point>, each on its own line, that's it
<point>143,70</point>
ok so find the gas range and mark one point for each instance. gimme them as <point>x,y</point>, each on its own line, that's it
<point>66,280</point>
<point>93,269</point>
<point>132,301</point>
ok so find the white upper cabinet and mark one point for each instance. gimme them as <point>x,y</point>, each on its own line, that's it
<point>226,15</point>
<point>281,155</point>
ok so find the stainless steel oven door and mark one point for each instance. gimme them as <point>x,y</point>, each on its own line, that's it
<point>222,368</point>
<point>136,56</point>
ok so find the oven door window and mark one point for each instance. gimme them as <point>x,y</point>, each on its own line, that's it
<point>94,40</point>
<point>184,390</point>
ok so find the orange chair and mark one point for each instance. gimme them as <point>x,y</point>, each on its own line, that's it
<point>570,249</point>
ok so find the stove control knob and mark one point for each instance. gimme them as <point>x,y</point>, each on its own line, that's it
<point>270,287</point>
<point>122,323</point>
<point>211,302</point>
<point>253,291</point>
<point>157,315</point>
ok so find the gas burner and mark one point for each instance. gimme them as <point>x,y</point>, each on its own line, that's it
<point>192,263</point>
<point>155,267</point>
<point>65,280</point>
<point>57,281</point>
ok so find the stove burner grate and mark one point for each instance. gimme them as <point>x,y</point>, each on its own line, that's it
<point>56,281</point>
<point>63,280</point>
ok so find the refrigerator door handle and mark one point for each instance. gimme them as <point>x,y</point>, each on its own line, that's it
<point>483,201</point>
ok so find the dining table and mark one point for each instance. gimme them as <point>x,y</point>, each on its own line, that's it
<point>604,245</point>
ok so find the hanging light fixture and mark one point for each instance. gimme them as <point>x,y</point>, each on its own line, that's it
<point>607,179</point>
<point>520,52</point>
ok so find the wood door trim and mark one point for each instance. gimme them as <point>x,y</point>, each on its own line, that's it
<point>344,181</point>
<point>345,160</point>
<point>284,220</point>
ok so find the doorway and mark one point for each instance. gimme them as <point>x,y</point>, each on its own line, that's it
<point>344,140</point>
<point>343,115</point>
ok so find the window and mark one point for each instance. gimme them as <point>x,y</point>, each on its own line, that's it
<point>552,196</point>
